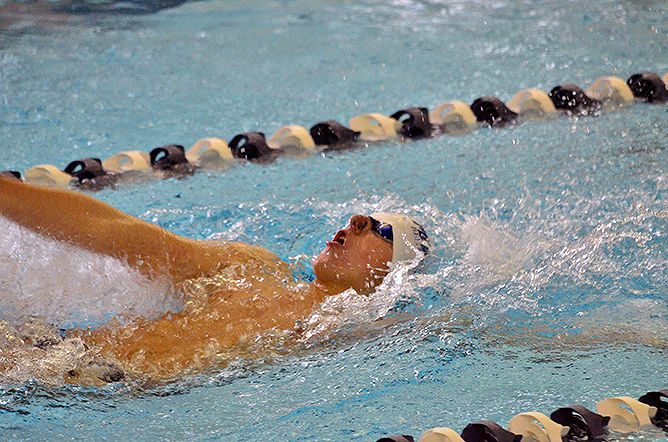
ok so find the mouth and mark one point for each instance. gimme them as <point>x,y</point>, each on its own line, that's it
<point>339,239</point>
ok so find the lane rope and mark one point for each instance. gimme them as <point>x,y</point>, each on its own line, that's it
<point>614,417</point>
<point>449,118</point>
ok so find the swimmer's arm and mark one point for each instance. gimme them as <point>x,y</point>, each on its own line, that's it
<point>89,223</point>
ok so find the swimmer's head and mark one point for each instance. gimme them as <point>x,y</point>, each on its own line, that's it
<point>359,256</point>
<point>408,236</point>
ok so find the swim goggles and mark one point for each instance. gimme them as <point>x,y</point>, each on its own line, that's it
<point>383,230</point>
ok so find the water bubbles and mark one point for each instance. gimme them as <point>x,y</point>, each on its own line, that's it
<point>89,290</point>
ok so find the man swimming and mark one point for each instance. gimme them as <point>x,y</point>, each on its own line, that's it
<point>232,292</point>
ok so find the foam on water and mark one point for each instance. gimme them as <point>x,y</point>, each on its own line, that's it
<point>71,287</point>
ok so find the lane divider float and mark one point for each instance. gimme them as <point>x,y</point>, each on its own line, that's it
<point>374,127</point>
<point>210,153</point>
<point>451,118</point>
<point>454,118</point>
<point>532,104</point>
<point>621,414</point>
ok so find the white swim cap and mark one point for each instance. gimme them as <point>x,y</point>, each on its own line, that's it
<point>409,236</point>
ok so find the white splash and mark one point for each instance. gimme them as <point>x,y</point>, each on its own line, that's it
<point>69,286</point>
<point>494,249</point>
<point>351,308</point>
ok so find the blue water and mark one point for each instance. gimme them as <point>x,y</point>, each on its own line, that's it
<point>548,283</point>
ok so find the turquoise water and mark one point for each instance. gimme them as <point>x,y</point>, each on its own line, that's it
<point>548,283</point>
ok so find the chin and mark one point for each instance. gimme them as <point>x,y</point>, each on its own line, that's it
<point>330,268</point>
<point>325,266</point>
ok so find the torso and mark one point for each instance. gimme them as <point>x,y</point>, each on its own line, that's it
<point>224,313</point>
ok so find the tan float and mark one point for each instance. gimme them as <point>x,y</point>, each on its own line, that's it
<point>532,103</point>
<point>612,91</point>
<point>374,126</point>
<point>440,434</point>
<point>130,160</point>
<point>454,117</point>
<point>626,414</point>
<point>294,140</point>
<point>48,175</point>
<point>537,427</point>
<point>210,153</point>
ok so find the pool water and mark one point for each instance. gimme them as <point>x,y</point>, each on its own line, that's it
<point>547,285</point>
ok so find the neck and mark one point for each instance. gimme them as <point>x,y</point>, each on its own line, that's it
<point>322,290</point>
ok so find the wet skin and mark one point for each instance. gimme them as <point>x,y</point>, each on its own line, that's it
<point>356,257</point>
<point>233,292</point>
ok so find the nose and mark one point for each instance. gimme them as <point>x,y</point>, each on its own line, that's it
<point>358,223</point>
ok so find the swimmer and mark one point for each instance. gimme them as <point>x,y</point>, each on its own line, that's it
<point>232,292</point>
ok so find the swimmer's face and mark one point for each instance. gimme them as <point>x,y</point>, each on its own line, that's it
<point>357,257</point>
